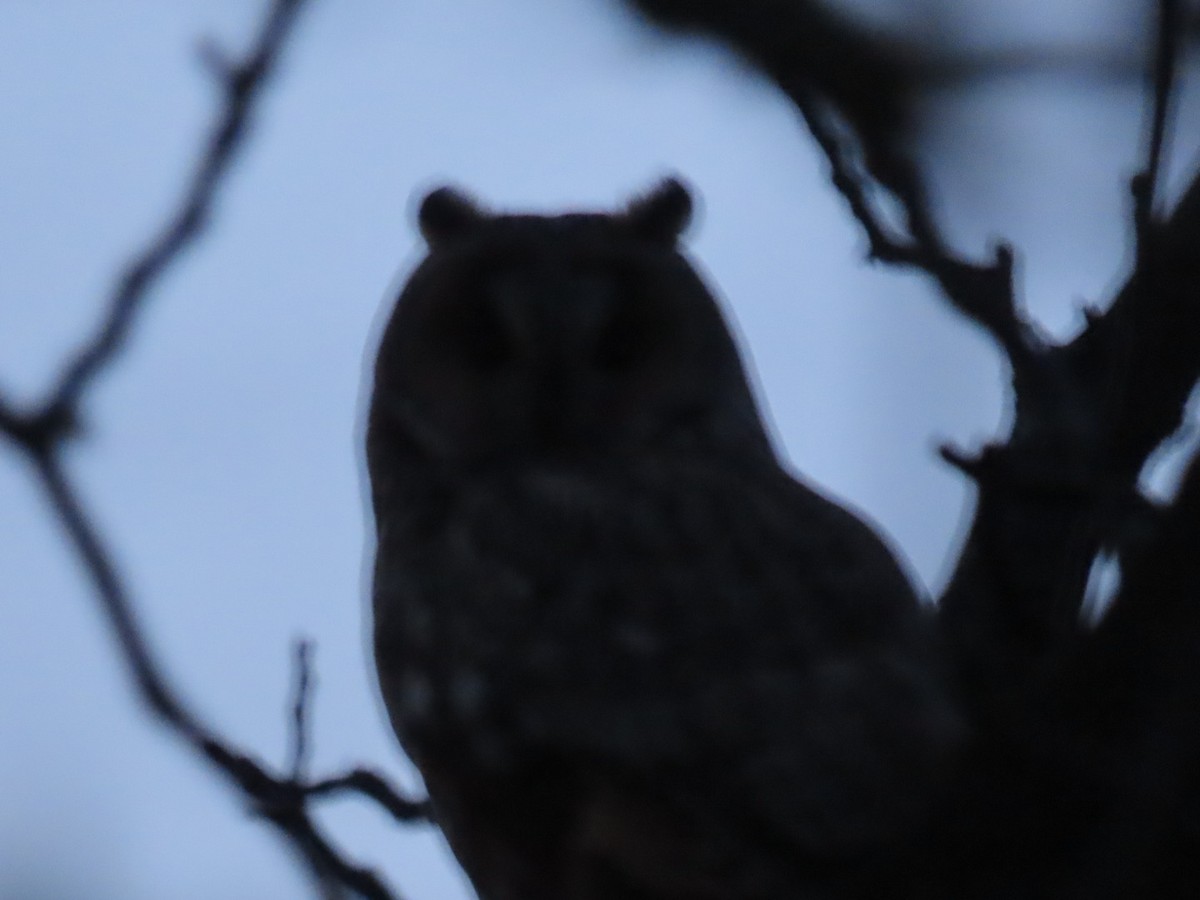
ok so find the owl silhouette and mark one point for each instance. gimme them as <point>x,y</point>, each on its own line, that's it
<point>631,655</point>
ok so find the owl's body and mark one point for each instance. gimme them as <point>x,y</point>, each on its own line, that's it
<point>631,656</point>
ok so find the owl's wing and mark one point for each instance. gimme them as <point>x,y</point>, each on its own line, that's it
<point>749,648</point>
<point>675,664</point>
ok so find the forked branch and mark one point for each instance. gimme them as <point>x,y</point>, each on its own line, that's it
<point>42,432</point>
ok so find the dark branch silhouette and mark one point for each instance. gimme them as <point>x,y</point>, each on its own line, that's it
<point>43,431</point>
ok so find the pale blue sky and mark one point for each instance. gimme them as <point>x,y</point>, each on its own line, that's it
<point>222,454</point>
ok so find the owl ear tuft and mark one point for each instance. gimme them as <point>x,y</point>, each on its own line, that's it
<point>447,213</point>
<point>663,214</point>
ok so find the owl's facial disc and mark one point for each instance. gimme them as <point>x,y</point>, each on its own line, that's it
<point>522,337</point>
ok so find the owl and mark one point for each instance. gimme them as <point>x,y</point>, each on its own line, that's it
<point>631,655</point>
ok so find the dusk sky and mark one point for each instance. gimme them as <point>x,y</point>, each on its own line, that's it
<point>222,456</point>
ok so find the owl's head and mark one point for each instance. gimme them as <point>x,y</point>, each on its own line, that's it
<point>523,337</point>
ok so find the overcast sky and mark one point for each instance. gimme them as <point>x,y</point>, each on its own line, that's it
<point>222,454</point>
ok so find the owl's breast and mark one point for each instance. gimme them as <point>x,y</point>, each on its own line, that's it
<point>608,603</point>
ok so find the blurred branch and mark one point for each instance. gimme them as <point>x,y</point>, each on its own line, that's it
<point>242,84</point>
<point>855,88</point>
<point>1169,39</point>
<point>858,92</point>
<point>43,431</point>
<point>1088,413</point>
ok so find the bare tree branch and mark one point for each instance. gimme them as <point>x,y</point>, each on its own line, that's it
<point>280,801</point>
<point>857,93</point>
<point>43,431</point>
<point>242,84</point>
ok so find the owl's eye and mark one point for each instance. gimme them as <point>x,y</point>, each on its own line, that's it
<point>623,341</point>
<point>465,328</point>
<point>481,339</point>
<point>636,326</point>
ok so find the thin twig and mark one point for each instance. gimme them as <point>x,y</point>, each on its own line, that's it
<point>300,710</point>
<point>360,781</point>
<point>369,784</point>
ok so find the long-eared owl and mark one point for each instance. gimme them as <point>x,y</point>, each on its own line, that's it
<point>631,655</point>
